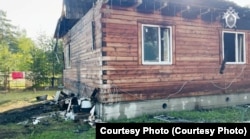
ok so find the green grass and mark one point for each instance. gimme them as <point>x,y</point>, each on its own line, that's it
<point>53,130</point>
<point>56,128</point>
<point>73,130</point>
<point>19,99</point>
<point>23,95</point>
<point>219,115</point>
<point>2,102</point>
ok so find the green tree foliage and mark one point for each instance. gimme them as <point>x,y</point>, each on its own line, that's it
<point>24,55</point>
<point>39,68</point>
<point>47,63</point>
<point>5,58</point>
<point>14,46</point>
<point>8,32</point>
<point>19,53</point>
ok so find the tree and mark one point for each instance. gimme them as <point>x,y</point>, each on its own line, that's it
<point>5,58</point>
<point>23,56</point>
<point>8,32</point>
<point>40,60</point>
<point>14,46</point>
<point>47,63</point>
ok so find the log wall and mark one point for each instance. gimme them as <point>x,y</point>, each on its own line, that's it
<point>115,64</point>
<point>85,73</point>
<point>197,56</point>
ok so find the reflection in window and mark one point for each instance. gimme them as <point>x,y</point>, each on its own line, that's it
<point>156,44</point>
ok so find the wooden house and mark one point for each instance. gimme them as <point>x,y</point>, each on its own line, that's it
<point>149,56</point>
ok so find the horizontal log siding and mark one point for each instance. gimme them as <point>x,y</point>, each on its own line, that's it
<point>85,73</point>
<point>196,59</point>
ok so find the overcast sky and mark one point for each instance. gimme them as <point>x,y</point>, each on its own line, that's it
<point>35,16</point>
<point>40,16</point>
<point>242,2</point>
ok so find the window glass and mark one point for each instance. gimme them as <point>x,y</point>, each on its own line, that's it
<point>233,48</point>
<point>156,45</point>
<point>151,44</point>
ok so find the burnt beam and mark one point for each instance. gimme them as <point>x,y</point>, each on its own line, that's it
<point>163,5</point>
<point>122,3</point>
<point>137,3</point>
<point>186,9</point>
<point>204,12</point>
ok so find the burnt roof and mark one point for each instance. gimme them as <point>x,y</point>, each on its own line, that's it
<point>63,26</point>
<point>72,11</point>
<point>211,10</point>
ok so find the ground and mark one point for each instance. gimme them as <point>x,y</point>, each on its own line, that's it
<point>23,117</point>
<point>19,111</point>
<point>24,113</point>
<point>20,115</point>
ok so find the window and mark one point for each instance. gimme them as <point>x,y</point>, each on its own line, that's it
<point>234,47</point>
<point>156,44</point>
<point>67,56</point>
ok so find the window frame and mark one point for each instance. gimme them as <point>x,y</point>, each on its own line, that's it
<point>236,33</point>
<point>170,49</point>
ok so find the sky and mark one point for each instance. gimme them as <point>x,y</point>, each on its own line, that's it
<point>242,2</point>
<point>35,16</point>
<point>40,16</point>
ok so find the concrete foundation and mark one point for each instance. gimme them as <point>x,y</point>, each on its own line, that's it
<point>122,110</point>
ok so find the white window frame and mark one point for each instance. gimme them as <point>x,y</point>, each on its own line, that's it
<point>170,46</point>
<point>236,46</point>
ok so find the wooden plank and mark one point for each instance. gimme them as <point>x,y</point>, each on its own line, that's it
<point>119,26</point>
<point>123,54</point>
<point>120,49</point>
<point>120,40</point>
<point>114,45</point>
<point>117,21</point>
<point>124,63</point>
<point>190,58</point>
<point>119,58</point>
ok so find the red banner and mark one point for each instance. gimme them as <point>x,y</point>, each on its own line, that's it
<point>17,75</point>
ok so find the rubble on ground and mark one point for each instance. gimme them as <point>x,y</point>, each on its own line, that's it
<point>64,106</point>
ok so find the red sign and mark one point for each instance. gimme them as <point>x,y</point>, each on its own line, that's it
<point>17,75</point>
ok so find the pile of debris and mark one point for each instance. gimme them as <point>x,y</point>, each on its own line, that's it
<point>64,106</point>
<point>75,108</point>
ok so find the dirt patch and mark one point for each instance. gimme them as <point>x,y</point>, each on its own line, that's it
<point>24,113</point>
<point>20,123</point>
<point>8,133</point>
<point>10,105</point>
<point>20,115</point>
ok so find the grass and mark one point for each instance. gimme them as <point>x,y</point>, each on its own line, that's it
<point>235,114</point>
<point>51,128</point>
<point>18,99</point>
<point>54,127</point>
<point>24,95</point>
<point>220,115</point>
